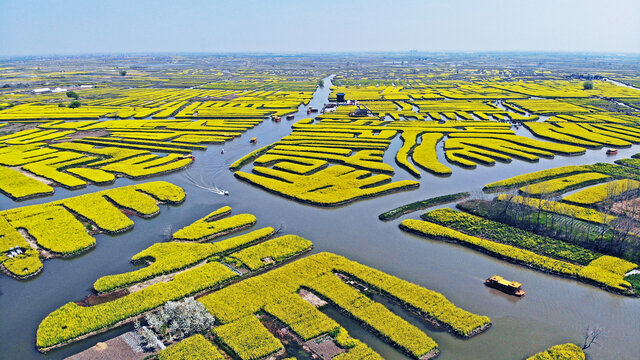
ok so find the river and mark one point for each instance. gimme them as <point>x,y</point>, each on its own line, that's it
<point>555,310</point>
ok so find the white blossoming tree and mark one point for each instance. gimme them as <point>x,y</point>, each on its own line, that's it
<point>181,319</point>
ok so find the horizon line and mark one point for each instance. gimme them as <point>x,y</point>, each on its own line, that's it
<point>303,53</point>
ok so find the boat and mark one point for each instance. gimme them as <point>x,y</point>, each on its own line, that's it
<point>362,112</point>
<point>329,106</point>
<point>506,286</point>
<point>612,152</point>
<point>290,117</point>
<point>276,118</point>
<point>253,140</point>
<point>311,109</point>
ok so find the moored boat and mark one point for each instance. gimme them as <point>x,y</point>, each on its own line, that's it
<point>506,286</point>
<point>612,151</point>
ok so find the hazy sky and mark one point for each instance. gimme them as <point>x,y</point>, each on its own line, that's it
<point>39,27</point>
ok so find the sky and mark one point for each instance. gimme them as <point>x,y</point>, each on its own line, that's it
<point>46,27</point>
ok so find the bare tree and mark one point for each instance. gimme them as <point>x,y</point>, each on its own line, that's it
<point>479,195</point>
<point>606,210</point>
<point>539,208</point>
<point>500,210</point>
<point>627,207</point>
<point>551,219</point>
<point>519,209</point>
<point>591,335</point>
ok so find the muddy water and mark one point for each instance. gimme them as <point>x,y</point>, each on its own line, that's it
<point>555,310</point>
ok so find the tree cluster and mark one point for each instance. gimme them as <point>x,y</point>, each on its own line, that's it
<point>614,234</point>
<point>180,319</point>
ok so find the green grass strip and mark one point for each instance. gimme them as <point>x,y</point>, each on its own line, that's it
<point>421,205</point>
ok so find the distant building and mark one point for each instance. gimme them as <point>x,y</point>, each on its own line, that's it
<point>41,91</point>
<point>58,90</point>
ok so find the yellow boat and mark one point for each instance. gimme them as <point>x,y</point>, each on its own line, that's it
<point>506,286</point>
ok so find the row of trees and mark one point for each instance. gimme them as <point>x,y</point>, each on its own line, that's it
<point>613,234</point>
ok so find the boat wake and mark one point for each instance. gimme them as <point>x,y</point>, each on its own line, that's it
<point>167,233</point>
<point>203,184</point>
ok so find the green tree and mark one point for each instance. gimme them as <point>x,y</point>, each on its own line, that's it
<point>73,95</point>
<point>587,85</point>
<point>75,104</point>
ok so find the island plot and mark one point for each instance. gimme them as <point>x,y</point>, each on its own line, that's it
<point>64,228</point>
<point>590,235</point>
<point>337,157</point>
<point>334,160</point>
<point>257,298</point>
<point>134,133</point>
<point>236,282</point>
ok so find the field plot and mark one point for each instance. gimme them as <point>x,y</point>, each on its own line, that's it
<point>587,135</point>
<point>564,351</point>
<point>64,228</point>
<point>589,235</point>
<point>605,271</point>
<point>209,282</point>
<point>256,99</point>
<point>335,160</point>
<point>135,133</point>
<point>160,127</point>
<point>567,89</point>
<point>190,268</point>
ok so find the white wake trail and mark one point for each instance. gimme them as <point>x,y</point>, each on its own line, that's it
<point>203,184</point>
